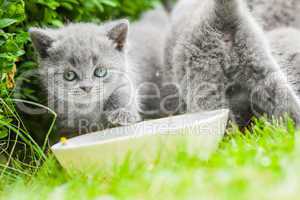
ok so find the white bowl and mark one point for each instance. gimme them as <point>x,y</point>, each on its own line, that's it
<point>198,133</point>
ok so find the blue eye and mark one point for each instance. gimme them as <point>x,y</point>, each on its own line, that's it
<point>101,72</point>
<point>70,75</point>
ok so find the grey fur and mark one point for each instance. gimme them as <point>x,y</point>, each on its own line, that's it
<point>220,57</point>
<point>285,43</point>
<point>83,47</point>
<point>147,42</point>
<point>272,14</point>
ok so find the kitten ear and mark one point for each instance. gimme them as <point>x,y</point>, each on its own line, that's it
<point>42,41</point>
<point>119,34</point>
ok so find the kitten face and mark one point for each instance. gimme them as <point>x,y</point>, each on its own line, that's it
<point>84,68</point>
<point>89,73</point>
<point>84,64</point>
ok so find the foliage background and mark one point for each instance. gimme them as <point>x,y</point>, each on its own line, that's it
<point>16,52</point>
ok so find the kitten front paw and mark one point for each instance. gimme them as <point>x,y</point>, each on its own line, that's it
<point>123,117</point>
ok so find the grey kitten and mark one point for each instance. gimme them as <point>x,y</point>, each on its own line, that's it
<point>285,43</point>
<point>91,72</point>
<point>221,59</point>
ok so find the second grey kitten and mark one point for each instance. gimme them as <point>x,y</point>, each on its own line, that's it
<point>220,57</point>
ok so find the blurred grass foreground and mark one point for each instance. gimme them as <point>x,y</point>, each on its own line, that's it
<point>260,164</point>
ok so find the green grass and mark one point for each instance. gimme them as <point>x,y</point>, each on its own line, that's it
<point>261,164</point>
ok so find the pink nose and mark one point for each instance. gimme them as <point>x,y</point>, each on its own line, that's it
<point>87,89</point>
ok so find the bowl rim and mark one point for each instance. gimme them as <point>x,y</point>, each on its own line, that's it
<point>59,146</point>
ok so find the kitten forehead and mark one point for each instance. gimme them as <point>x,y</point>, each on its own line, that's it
<point>84,45</point>
<point>82,30</point>
<point>82,36</point>
<point>87,31</point>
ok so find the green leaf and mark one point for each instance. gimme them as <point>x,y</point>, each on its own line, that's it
<point>6,22</point>
<point>50,4</point>
<point>3,133</point>
<point>110,3</point>
<point>14,9</point>
<point>57,23</point>
<point>67,5</point>
<point>22,38</point>
<point>20,53</point>
<point>72,1</point>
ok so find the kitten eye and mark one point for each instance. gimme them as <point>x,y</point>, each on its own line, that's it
<point>101,72</point>
<point>70,75</point>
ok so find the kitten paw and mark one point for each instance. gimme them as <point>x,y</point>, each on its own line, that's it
<point>123,117</point>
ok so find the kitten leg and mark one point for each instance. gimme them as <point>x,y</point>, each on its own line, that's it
<point>122,108</point>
